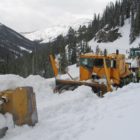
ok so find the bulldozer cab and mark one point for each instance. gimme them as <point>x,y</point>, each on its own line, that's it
<point>111,67</point>
<point>90,64</point>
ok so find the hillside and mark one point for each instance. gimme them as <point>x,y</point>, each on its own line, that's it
<point>12,44</point>
<point>122,43</point>
<point>53,32</point>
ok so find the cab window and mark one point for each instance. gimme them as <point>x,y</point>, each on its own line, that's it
<point>87,62</point>
<point>98,63</point>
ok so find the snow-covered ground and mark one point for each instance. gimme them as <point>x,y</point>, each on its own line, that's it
<point>122,43</point>
<point>51,33</point>
<point>78,114</point>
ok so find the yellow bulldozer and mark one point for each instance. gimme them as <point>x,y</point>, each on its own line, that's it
<point>99,71</point>
<point>21,104</point>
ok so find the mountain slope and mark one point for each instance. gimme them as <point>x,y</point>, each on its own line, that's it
<point>13,44</point>
<point>51,33</point>
<point>122,43</point>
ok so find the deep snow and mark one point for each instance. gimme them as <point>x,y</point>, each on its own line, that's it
<point>78,115</point>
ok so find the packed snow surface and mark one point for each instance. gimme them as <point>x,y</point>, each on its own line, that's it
<point>78,114</point>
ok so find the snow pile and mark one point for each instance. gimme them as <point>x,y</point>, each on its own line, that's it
<point>121,43</point>
<point>73,71</point>
<point>2,121</point>
<point>78,114</point>
<point>6,121</point>
<point>51,33</point>
<point>134,62</point>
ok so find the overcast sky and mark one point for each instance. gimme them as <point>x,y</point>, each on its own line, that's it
<point>29,15</point>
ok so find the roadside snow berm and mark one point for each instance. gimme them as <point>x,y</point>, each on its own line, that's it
<point>21,103</point>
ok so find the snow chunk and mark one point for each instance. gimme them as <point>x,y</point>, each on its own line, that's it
<point>6,121</point>
<point>2,121</point>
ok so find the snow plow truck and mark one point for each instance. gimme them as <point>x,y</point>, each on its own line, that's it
<point>99,71</point>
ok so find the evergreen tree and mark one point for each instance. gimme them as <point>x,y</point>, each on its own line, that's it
<point>71,46</point>
<point>137,21</point>
<point>63,58</point>
<point>122,20</point>
<point>132,30</point>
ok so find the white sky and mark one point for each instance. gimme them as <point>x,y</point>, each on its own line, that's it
<point>29,15</point>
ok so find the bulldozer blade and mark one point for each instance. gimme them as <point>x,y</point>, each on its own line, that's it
<point>62,85</point>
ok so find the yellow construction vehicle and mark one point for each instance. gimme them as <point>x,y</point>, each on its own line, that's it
<point>100,72</point>
<point>21,104</point>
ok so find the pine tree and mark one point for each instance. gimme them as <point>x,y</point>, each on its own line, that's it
<point>63,58</point>
<point>137,21</point>
<point>122,20</point>
<point>71,46</point>
<point>132,30</point>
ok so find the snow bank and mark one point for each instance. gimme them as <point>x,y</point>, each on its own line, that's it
<point>134,62</point>
<point>78,114</point>
<point>6,121</point>
<point>2,121</point>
